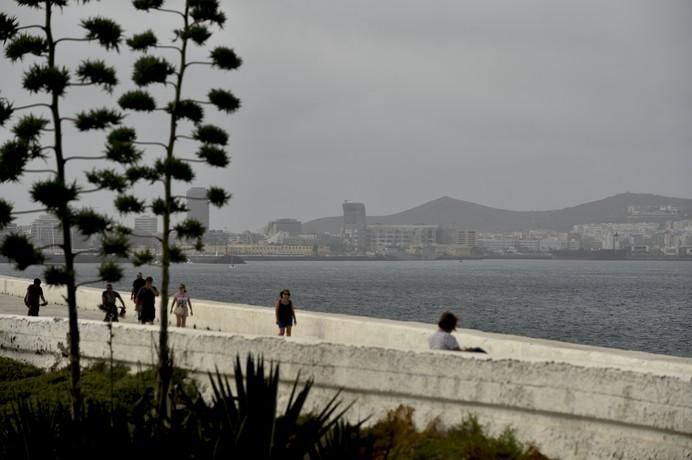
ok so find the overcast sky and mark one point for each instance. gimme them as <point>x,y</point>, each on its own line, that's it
<point>521,105</point>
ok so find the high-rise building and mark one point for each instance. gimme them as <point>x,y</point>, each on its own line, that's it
<point>198,205</point>
<point>146,225</point>
<point>45,231</point>
<point>355,225</point>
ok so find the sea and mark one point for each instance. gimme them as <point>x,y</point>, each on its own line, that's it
<point>632,305</point>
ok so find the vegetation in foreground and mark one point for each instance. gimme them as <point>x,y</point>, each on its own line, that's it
<point>240,420</point>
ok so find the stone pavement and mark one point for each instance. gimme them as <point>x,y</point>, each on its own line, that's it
<point>10,305</point>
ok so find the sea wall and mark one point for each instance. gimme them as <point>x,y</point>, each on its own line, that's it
<point>574,402</point>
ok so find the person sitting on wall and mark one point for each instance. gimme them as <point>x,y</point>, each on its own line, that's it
<point>443,338</point>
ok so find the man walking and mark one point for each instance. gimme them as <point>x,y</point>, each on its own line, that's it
<point>146,301</point>
<point>34,293</point>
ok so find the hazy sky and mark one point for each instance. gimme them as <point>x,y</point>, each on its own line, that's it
<point>511,104</point>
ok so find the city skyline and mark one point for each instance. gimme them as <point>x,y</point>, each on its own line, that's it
<point>530,106</point>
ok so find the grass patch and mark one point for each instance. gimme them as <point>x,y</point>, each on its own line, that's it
<point>99,384</point>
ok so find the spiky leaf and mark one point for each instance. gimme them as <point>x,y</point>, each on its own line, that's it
<point>225,58</point>
<point>147,5</point>
<point>19,249</point>
<point>137,100</point>
<point>207,10</point>
<point>104,30</point>
<point>43,78</point>
<point>158,206</point>
<point>8,27</point>
<point>110,272</point>
<point>214,156</point>
<point>122,134</point>
<point>175,168</point>
<point>122,230</point>
<point>108,179</point>
<point>57,276</point>
<point>140,258</point>
<point>31,3</point>
<point>126,204</point>
<point>97,119</point>
<point>186,109</point>
<point>195,32</point>
<point>224,100</point>
<point>218,196</point>
<point>97,73</point>
<point>13,158</point>
<point>178,205</point>
<point>5,214</point>
<point>199,245</point>
<point>176,255</point>
<point>115,244</point>
<point>189,229</point>
<point>151,69</point>
<point>53,194</point>
<point>123,153</point>
<point>143,41</point>
<point>136,173</point>
<point>29,128</point>
<point>210,134</point>
<point>24,44</point>
<point>89,222</point>
<point>6,111</point>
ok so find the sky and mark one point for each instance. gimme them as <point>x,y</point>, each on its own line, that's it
<point>521,105</point>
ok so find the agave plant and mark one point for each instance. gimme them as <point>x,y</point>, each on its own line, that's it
<point>240,423</point>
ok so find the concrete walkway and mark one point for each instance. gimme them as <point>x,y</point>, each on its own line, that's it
<point>10,305</point>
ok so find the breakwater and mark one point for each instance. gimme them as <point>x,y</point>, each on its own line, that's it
<point>572,401</point>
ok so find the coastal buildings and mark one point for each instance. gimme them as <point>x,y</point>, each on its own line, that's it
<point>290,226</point>
<point>355,226</point>
<point>45,231</point>
<point>400,236</point>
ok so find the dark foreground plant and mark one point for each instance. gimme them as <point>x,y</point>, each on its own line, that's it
<point>236,423</point>
<point>239,421</point>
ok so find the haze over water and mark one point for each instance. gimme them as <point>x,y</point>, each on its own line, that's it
<point>643,305</point>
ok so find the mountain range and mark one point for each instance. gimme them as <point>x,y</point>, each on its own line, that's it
<point>453,213</point>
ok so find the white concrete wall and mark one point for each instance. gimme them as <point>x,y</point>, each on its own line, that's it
<point>574,402</point>
<point>404,335</point>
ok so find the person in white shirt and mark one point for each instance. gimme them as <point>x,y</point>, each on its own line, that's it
<point>443,338</point>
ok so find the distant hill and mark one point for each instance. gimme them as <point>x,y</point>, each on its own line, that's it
<point>449,212</point>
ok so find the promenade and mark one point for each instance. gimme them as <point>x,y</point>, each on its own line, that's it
<point>12,305</point>
<point>583,402</point>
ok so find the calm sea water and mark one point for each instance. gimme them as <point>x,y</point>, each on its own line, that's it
<point>636,305</point>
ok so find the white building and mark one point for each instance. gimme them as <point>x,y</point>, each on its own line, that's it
<point>45,231</point>
<point>146,225</point>
<point>401,236</point>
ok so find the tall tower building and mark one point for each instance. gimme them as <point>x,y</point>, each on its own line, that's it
<point>355,225</point>
<point>198,205</point>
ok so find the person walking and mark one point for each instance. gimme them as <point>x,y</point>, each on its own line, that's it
<point>146,301</point>
<point>34,294</point>
<point>137,284</point>
<point>285,314</point>
<point>108,298</point>
<point>181,306</point>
